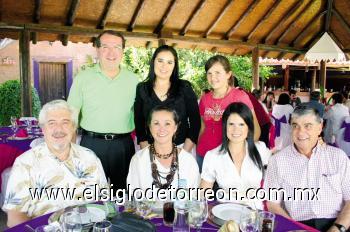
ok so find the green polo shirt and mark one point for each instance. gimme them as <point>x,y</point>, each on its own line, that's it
<point>106,105</point>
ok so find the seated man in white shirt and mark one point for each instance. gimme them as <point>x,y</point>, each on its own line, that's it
<point>54,166</point>
<point>311,165</point>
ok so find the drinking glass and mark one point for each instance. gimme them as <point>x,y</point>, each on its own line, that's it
<point>111,208</point>
<point>143,207</point>
<point>129,206</point>
<point>102,226</point>
<point>29,126</point>
<point>266,221</point>
<point>249,223</point>
<point>168,213</point>
<point>181,217</point>
<point>198,213</point>
<point>72,222</point>
<point>14,125</point>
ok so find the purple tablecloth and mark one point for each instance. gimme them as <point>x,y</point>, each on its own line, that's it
<point>20,144</point>
<point>282,224</point>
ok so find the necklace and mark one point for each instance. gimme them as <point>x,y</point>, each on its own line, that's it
<point>161,156</point>
<point>155,173</point>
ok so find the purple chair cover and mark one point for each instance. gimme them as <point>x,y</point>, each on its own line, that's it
<point>278,122</point>
<point>346,131</point>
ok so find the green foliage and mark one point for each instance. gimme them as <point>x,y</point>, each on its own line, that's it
<point>10,101</point>
<point>191,65</point>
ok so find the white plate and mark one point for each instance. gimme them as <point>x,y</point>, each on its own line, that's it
<point>230,211</point>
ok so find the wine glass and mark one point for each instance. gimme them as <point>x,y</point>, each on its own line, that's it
<point>102,226</point>
<point>198,213</point>
<point>72,222</point>
<point>14,125</point>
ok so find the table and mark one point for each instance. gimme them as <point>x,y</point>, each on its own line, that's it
<point>282,224</point>
<point>11,149</point>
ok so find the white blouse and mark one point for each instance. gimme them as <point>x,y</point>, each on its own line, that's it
<point>218,166</point>
<point>140,171</point>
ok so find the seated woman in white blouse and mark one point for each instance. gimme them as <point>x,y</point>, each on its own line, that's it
<point>238,162</point>
<point>161,163</point>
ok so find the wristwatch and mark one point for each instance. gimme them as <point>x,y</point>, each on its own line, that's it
<point>340,227</point>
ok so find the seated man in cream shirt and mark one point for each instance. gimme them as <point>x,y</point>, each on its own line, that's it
<point>56,165</point>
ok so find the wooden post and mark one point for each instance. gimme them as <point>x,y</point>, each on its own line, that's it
<point>286,78</point>
<point>255,60</point>
<point>24,58</point>
<point>323,76</point>
<point>313,79</point>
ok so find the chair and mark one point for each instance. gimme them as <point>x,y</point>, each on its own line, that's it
<point>343,136</point>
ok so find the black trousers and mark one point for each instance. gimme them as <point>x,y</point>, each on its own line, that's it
<point>115,156</point>
<point>322,224</point>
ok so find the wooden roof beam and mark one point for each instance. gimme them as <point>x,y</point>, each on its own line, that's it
<point>336,40</point>
<point>285,19</point>
<point>281,55</point>
<point>314,40</point>
<point>238,23</point>
<point>70,19</point>
<point>36,19</point>
<point>329,15</point>
<point>303,33</point>
<point>192,17</point>
<point>165,17</point>
<point>218,18</point>
<point>136,14</point>
<point>265,17</point>
<point>315,18</point>
<point>105,13</point>
<point>341,20</point>
<point>149,44</point>
<point>56,29</point>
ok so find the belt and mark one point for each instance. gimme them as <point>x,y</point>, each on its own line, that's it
<point>107,136</point>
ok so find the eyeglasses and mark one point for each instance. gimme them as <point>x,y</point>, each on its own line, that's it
<point>114,47</point>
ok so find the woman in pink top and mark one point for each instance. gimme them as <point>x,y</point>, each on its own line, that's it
<point>213,104</point>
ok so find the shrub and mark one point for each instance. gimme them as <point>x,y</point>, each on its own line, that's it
<point>10,101</point>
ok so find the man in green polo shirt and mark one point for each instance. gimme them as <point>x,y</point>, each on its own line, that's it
<point>104,94</point>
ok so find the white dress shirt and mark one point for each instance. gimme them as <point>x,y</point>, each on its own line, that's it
<point>327,169</point>
<point>218,166</point>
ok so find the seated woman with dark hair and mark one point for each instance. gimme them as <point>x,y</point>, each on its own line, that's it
<point>280,119</point>
<point>161,163</point>
<point>239,161</point>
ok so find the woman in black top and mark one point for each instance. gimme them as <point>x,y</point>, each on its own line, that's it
<point>163,87</point>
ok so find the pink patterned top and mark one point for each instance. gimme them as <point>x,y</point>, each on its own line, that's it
<point>211,111</point>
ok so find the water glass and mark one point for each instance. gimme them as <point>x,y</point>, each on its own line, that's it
<point>266,221</point>
<point>129,205</point>
<point>248,224</point>
<point>180,221</point>
<point>72,222</point>
<point>111,208</point>
<point>198,213</point>
<point>14,125</point>
<point>103,226</point>
<point>29,126</point>
<point>143,207</point>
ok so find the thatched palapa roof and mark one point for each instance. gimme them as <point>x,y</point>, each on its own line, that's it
<point>279,28</point>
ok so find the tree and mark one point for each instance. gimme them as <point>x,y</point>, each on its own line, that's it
<point>10,101</point>
<point>191,65</point>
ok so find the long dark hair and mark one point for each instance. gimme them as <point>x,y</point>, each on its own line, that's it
<point>174,78</point>
<point>246,114</point>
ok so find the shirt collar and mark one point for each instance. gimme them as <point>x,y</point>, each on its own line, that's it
<point>313,151</point>
<point>72,153</point>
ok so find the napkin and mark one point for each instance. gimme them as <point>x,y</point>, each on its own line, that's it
<point>229,226</point>
<point>22,133</point>
<point>19,122</point>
